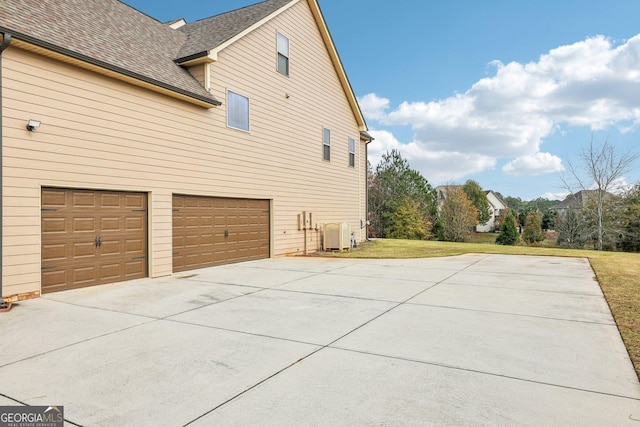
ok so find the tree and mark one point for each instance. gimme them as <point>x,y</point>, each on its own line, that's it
<point>407,221</point>
<point>375,203</point>
<point>522,208</point>
<point>532,232</point>
<point>508,230</point>
<point>630,236</point>
<point>479,199</point>
<point>515,203</point>
<point>571,229</point>
<point>499,220</point>
<point>602,167</point>
<point>549,219</point>
<point>458,216</point>
<point>392,183</point>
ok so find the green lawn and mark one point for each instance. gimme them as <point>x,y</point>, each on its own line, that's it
<point>617,272</point>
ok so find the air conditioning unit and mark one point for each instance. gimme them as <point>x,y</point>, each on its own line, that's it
<point>337,236</point>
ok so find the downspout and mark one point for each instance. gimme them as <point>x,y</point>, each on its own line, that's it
<point>6,41</point>
<point>366,184</point>
<point>366,191</point>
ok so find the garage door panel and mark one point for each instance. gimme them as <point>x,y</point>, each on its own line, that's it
<point>54,252</point>
<point>83,276</point>
<point>192,221</point>
<point>211,231</point>
<point>55,279</point>
<point>54,225</point>
<point>54,198</point>
<point>110,224</point>
<point>110,249</point>
<point>193,241</point>
<point>84,199</point>
<point>83,224</point>
<point>110,272</point>
<point>134,224</point>
<point>133,267</point>
<point>81,250</point>
<point>72,257</point>
<point>136,201</point>
<point>110,201</point>
<point>135,247</point>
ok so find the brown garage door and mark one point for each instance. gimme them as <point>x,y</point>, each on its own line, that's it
<point>210,231</point>
<point>92,237</point>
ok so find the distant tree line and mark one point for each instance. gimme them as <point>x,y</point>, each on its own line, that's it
<point>404,205</point>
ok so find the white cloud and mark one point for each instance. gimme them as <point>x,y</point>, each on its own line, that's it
<point>508,115</point>
<point>440,167</point>
<point>535,164</point>
<point>437,166</point>
<point>618,186</point>
<point>373,107</point>
<point>383,141</point>
<point>555,196</point>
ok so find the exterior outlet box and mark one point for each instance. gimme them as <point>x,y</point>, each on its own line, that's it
<point>337,236</point>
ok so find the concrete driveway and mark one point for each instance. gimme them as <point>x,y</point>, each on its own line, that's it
<point>467,340</point>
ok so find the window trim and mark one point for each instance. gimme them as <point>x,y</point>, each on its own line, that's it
<point>352,153</point>
<point>326,144</point>
<point>229,125</point>
<point>286,55</point>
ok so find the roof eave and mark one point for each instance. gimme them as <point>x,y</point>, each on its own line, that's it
<point>365,136</point>
<point>205,57</point>
<point>42,47</point>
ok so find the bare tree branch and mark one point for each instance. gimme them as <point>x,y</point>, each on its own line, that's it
<point>602,168</point>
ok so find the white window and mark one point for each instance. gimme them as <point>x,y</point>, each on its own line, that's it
<point>326,144</point>
<point>237,111</point>
<point>283,54</point>
<point>352,152</point>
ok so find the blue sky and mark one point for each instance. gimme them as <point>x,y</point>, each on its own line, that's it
<point>504,92</point>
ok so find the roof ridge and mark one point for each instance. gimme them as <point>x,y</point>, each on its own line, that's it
<point>228,11</point>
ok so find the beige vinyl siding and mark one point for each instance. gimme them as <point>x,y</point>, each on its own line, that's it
<point>99,133</point>
<point>316,99</point>
<point>197,71</point>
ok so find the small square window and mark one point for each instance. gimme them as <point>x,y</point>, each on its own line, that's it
<point>237,111</point>
<point>352,152</point>
<point>326,144</point>
<point>283,54</point>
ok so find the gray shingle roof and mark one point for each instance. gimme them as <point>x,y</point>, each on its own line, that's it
<point>115,35</point>
<point>209,33</point>
<point>580,199</point>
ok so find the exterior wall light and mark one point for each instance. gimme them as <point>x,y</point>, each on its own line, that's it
<point>33,125</point>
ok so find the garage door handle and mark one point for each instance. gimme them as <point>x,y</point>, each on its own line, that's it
<point>226,233</point>
<point>98,241</point>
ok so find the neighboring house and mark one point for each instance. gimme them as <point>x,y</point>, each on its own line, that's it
<point>578,201</point>
<point>163,147</point>
<point>496,206</point>
<point>442,192</point>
